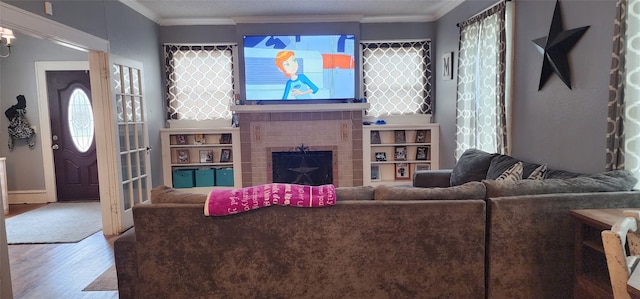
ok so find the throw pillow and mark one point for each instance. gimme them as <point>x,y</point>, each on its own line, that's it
<point>471,166</point>
<point>538,173</point>
<point>514,173</point>
<point>502,162</point>
<point>470,190</point>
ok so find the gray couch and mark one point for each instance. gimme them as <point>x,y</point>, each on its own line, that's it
<point>478,239</point>
<point>530,235</point>
<point>355,249</point>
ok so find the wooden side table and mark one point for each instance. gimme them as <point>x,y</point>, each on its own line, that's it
<point>591,275</point>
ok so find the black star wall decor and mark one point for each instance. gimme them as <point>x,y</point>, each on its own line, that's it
<point>554,48</point>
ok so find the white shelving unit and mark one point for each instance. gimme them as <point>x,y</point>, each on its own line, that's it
<point>189,148</point>
<point>392,153</point>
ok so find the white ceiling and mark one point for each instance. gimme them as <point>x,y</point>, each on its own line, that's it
<point>212,12</point>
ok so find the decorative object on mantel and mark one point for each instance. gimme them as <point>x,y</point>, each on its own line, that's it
<point>19,127</point>
<point>554,48</point>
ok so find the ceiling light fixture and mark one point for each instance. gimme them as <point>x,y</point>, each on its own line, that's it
<point>6,35</point>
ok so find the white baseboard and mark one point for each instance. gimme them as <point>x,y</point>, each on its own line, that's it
<point>28,196</point>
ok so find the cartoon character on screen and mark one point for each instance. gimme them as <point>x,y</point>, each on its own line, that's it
<point>298,85</point>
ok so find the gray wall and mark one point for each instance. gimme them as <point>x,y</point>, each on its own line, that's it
<point>130,35</point>
<point>564,128</point>
<point>18,77</point>
<point>558,126</point>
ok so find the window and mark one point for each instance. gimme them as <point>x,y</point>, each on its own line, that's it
<point>397,77</point>
<point>80,120</point>
<point>482,99</point>
<point>199,81</point>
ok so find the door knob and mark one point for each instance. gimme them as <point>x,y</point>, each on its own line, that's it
<point>55,147</point>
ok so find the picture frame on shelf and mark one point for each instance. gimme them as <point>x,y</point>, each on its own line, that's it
<point>422,152</point>
<point>399,136</point>
<point>206,156</point>
<point>182,156</point>
<point>381,156</point>
<point>400,153</point>
<point>225,155</point>
<point>181,139</point>
<point>375,137</point>
<point>225,138</point>
<point>403,171</point>
<point>199,139</point>
<point>425,166</point>
<point>421,136</point>
<point>375,173</point>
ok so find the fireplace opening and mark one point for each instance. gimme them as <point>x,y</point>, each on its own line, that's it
<point>313,168</point>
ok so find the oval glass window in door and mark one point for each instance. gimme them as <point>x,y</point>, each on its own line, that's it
<point>80,117</point>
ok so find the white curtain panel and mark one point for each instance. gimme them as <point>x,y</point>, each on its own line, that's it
<point>480,114</point>
<point>632,88</point>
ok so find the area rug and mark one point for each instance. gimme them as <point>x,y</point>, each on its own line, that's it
<point>107,281</point>
<point>67,222</point>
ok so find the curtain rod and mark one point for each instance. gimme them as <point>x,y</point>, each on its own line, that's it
<point>458,24</point>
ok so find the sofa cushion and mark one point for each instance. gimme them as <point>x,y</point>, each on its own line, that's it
<point>165,194</point>
<point>354,193</point>
<point>470,190</point>
<point>472,166</point>
<point>611,181</point>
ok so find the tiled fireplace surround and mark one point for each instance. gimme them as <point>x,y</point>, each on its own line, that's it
<point>262,133</point>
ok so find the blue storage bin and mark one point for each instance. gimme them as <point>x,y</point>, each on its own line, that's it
<point>224,177</point>
<point>183,178</point>
<point>205,177</point>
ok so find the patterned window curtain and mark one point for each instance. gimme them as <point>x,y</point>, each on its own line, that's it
<point>480,105</point>
<point>615,117</point>
<point>630,78</point>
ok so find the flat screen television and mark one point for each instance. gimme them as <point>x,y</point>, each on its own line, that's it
<point>299,67</point>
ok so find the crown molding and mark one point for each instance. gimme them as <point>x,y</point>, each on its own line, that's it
<point>299,19</point>
<point>447,8</point>
<point>195,21</point>
<point>398,19</point>
<point>142,10</point>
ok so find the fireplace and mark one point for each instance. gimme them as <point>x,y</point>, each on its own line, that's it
<point>266,129</point>
<point>303,167</point>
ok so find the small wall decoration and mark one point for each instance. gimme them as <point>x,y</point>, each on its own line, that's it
<point>554,48</point>
<point>447,66</point>
<point>225,155</point>
<point>19,127</point>
<point>206,156</point>
<point>381,156</point>
<point>181,139</point>
<point>422,153</point>
<point>400,153</point>
<point>375,137</point>
<point>399,136</point>
<point>402,171</point>
<point>375,173</point>
<point>182,156</point>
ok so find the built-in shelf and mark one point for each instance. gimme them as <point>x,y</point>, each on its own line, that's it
<point>299,107</point>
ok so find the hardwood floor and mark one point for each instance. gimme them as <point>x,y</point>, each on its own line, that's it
<point>59,270</point>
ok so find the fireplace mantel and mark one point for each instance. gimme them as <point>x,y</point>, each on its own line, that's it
<point>299,108</point>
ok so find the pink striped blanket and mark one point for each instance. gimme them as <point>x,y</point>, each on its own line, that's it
<point>222,202</point>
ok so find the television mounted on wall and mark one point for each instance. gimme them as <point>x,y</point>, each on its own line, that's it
<point>299,68</point>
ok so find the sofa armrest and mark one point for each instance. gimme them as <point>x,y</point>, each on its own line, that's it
<point>124,251</point>
<point>432,178</point>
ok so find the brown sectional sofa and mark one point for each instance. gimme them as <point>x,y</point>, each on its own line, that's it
<point>478,239</point>
<point>354,249</point>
